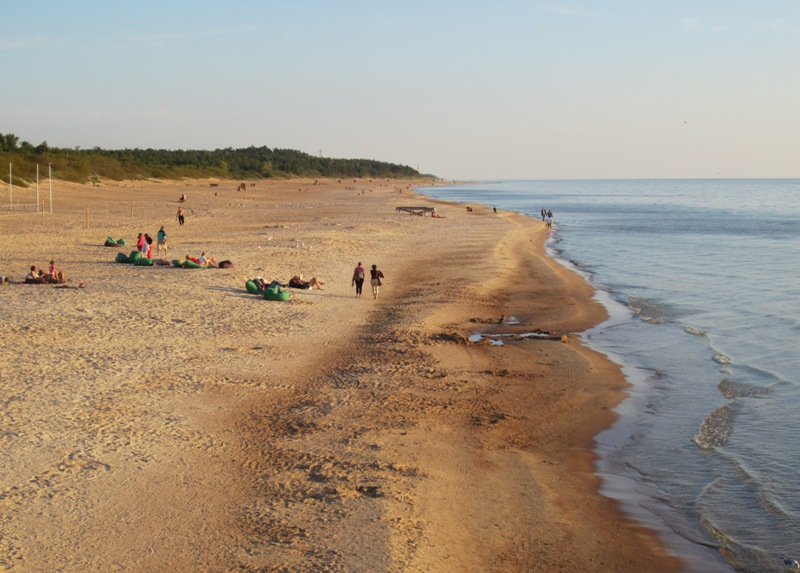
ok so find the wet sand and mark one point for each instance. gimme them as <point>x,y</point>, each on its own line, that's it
<point>165,419</point>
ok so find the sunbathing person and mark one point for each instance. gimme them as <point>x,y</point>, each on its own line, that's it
<point>39,277</point>
<point>35,277</point>
<point>202,261</point>
<point>206,262</point>
<point>262,284</point>
<point>298,282</point>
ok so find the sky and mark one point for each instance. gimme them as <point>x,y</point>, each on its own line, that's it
<point>466,90</point>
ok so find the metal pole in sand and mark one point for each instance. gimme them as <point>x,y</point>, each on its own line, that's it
<point>10,189</point>
<point>50,166</point>
<point>37,187</point>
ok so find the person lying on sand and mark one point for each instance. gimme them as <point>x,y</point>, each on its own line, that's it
<point>298,282</point>
<point>262,284</point>
<point>206,262</point>
<point>202,260</point>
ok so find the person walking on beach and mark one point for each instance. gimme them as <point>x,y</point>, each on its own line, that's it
<point>544,213</point>
<point>375,280</point>
<point>161,241</point>
<point>549,219</point>
<point>141,245</point>
<point>180,216</point>
<point>358,278</point>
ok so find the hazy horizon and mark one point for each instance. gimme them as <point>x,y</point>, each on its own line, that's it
<point>467,91</point>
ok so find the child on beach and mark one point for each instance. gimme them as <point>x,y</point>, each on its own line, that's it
<point>55,275</point>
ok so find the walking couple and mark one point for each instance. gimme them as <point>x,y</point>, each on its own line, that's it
<point>375,279</point>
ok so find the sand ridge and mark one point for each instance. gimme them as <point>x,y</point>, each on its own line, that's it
<point>164,419</point>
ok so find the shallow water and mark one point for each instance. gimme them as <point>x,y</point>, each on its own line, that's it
<point>701,281</point>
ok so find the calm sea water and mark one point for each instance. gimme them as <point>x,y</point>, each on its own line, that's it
<point>701,281</point>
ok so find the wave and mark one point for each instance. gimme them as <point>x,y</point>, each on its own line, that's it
<point>715,429</point>
<point>652,311</point>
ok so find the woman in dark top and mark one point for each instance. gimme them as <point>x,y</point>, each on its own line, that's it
<point>375,280</point>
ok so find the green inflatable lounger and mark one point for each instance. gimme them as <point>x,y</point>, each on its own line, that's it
<point>143,262</point>
<point>251,287</point>
<point>122,258</point>
<point>187,264</point>
<point>274,292</point>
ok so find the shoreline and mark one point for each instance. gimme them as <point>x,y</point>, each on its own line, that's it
<point>326,432</point>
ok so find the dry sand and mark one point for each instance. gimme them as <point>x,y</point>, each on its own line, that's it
<point>163,419</point>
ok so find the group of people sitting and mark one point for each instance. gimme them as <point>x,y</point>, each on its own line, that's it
<point>38,276</point>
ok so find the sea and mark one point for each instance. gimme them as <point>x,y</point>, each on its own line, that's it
<point>701,279</point>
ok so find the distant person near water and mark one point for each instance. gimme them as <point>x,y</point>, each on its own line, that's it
<point>544,213</point>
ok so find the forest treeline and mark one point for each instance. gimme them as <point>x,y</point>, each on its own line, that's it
<point>84,165</point>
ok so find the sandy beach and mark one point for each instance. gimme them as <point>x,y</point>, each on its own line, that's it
<point>163,419</point>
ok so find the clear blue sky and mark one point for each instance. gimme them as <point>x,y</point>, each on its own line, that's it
<point>460,89</point>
